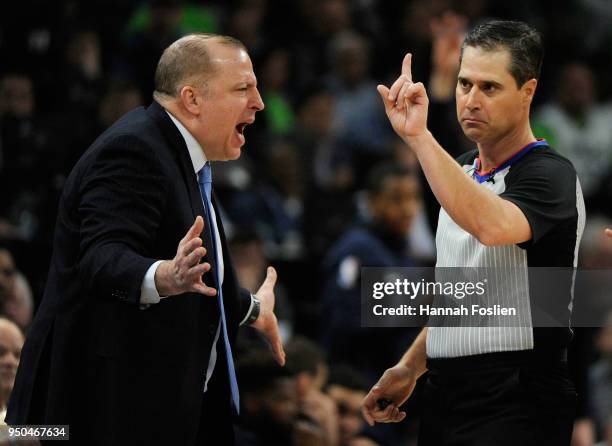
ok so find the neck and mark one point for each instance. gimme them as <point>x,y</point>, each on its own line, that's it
<point>494,153</point>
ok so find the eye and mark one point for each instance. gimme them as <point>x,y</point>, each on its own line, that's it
<point>463,83</point>
<point>489,88</point>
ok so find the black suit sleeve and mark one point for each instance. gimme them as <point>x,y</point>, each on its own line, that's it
<point>122,198</point>
<point>245,302</point>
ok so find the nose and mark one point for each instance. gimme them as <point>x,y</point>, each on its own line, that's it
<point>257,103</point>
<point>472,101</point>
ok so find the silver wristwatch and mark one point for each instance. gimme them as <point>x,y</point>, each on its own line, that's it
<point>254,310</point>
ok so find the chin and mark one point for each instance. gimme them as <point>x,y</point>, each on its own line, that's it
<point>472,134</point>
<point>233,153</point>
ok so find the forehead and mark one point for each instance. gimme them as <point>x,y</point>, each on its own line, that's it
<point>478,64</point>
<point>346,396</point>
<point>232,63</point>
<point>10,337</point>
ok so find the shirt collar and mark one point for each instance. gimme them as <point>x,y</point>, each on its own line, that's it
<point>196,154</point>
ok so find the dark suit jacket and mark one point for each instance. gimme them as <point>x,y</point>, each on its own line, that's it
<point>93,359</point>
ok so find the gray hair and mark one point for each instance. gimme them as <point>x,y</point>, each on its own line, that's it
<point>187,60</point>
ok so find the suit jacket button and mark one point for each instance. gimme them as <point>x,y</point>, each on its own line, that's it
<point>212,328</point>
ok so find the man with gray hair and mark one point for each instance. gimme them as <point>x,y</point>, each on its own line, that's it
<point>133,340</point>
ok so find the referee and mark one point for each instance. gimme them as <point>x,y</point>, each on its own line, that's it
<point>512,203</point>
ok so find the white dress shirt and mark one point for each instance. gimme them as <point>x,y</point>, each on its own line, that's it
<point>148,291</point>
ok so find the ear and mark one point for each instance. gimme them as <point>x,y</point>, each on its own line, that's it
<point>191,99</point>
<point>529,89</point>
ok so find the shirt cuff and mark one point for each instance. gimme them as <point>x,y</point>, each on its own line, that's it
<point>148,291</point>
<point>248,313</point>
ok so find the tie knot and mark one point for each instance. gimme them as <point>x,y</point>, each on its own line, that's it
<point>205,174</point>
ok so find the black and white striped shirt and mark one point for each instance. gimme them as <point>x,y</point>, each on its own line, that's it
<point>544,185</point>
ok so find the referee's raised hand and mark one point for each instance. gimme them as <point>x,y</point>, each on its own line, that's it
<point>394,387</point>
<point>406,103</point>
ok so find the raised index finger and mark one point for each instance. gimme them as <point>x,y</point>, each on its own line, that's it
<point>407,66</point>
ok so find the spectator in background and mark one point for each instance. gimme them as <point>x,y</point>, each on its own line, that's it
<point>579,127</point>
<point>600,377</point>
<point>23,149</point>
<point>119,98</point>
<point>8,274</point>
<point>82,77</point>
<point>307,361</point>
<point>275,78</point>
<point>146,37</point>
<point>316,24</point>
<point>11,342</point>
<point>21,309</point>
<point>447,34</point>
<point>250,264</point>
<point>358,116</point>
<point>382,241</point>
<point>596,252</point>
<point>245,24</point>
<point>326,176</point>
<point>16,301</point>
<point>269,198</point>
<point>347,388</point>
<point>269,405</point>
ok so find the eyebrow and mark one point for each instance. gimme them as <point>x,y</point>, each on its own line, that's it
<point>485,81</point>
<point>247,82</point>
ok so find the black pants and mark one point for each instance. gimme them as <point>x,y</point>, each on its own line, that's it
<point>498,399</point>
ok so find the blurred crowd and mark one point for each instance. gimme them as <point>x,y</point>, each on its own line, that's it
<point>323,186</point>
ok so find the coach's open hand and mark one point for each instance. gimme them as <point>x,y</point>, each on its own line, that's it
<point>266,323</point>
<point>183,274</point>
<point>406,103</point>
<point>396,385</point>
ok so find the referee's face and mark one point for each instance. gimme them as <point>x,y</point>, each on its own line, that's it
<point>490,105</point>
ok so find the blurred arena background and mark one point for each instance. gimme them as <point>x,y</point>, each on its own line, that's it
<point>307,194</point>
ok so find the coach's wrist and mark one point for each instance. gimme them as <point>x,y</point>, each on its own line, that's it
<point>163,279</point>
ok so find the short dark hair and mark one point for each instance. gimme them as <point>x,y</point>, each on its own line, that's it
<point>523,42</point>
<point>259,372</point>
<point>303,355</point>
<point>381,172</point>
<point>347,376</point>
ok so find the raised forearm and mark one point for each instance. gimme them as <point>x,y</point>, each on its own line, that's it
<point>489,218</point>
<point>415,358</point>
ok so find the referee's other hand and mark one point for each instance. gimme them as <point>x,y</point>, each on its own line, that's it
<point>395,386</point>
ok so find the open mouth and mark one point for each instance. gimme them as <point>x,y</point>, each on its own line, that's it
<point>240,127</point>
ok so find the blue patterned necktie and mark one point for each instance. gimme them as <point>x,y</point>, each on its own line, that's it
<point>205,181</point>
